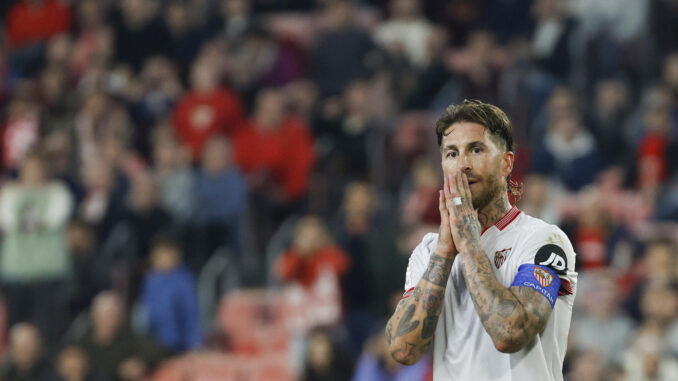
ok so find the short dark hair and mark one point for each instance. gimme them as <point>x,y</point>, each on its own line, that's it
<point>475,111</point>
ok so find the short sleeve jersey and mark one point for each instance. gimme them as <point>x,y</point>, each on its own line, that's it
<point>462,349</point>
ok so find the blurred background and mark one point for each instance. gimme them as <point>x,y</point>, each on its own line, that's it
<point>231,189</point>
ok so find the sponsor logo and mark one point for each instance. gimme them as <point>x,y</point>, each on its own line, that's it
<point>543,277</point>
<point>552,256</point>
<point>500,257</point>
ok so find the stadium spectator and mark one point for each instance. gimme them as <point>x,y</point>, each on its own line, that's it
<point>421,204</point>
<point>312,252</point>
<point>34,212</point>
<point>173,174</point>
<point>185,38</point>
<point>652,163</point>
<point>207,109</point>
<point>405,33</point>
<point>602,326</point>
<point>72,364</point>
<point>217,218</point>
<point>342,51</point>
<point>325,359</point>
<point>144,215</point>
<point>26,361</point>
<point>103,200</point>
<point>115,352</point>
<point>139,32</point>
<point>609,112</point>
<point>551,40</point>
<point>21,128</point>
<point>568,154</point>
<point>90,274</point>
<point>348,137</point>
<point>152,97</point>
<point>31,21</point>
<point>540,199</point>
<point>276,154</point>
<point>170,299</point>
<point>369,240</point>
<point>647,358</point>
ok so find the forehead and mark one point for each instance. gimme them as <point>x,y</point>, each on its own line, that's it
<point>462,133</point>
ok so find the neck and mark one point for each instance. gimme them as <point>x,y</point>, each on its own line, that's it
<point>494,211</point>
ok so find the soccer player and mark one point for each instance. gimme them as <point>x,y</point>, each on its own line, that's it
<point>495,286</point>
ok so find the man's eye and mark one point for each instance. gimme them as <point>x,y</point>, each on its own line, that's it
<point>476,150</point>
<point>451,154</point>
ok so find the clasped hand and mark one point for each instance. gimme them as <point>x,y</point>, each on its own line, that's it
<point>459,225</point>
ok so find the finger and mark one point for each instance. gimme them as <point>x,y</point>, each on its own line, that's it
<point>442,207</point>
<point>453,185</point>
<point>460,186</point>
<point>467,188</point>
<point>446,188</point>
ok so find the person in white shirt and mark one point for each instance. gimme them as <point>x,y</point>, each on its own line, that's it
<point>493,290</point>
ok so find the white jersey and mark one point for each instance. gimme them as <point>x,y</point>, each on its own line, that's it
<point>462,349</point>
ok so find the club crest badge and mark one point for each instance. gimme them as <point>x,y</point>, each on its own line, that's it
<point>543,277</point>
<point>500,257</point>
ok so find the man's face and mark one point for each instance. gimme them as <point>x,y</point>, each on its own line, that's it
<point>470,148</point>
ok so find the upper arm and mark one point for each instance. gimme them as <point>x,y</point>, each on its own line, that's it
<point>537,309</point>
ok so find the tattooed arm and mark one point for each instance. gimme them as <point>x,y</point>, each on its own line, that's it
<point>511,316</point>
<point>410,330</point>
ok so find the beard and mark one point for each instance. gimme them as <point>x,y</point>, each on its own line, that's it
<point>493,187</point>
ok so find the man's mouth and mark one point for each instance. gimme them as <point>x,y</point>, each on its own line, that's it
<point>473,181</point>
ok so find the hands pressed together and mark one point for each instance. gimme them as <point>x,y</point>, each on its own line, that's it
<point>459,225</point>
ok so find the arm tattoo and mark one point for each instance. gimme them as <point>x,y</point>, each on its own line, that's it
<point>415,318</point>
<point>417,293</point>
<point>438,270</point>
<point>512,316</point>
<point>433,301</point>
<point>406,325</point>
<point>468,227</point>
<point>389,334</point>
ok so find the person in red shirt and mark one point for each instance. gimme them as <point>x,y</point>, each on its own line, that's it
<point>652,163</point>
<point>311,253</point>
<point>275,151</point>
<point>207,109</point>
<point>30,21</point>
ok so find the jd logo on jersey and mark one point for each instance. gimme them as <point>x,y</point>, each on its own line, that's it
<point>552,256</point>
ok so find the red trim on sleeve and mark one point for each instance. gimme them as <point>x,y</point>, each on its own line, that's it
<point>565,287</point>
<point>408,293</point>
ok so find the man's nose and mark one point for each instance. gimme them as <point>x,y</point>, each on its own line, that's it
<point>465,163</point>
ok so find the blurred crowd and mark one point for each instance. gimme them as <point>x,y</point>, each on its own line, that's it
<point>235,186</point>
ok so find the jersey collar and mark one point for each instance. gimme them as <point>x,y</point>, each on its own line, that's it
<point>506,220</point>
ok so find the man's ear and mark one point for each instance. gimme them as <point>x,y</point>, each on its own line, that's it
<point>507,167</point>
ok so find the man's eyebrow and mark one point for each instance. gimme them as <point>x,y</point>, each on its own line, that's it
<point>470,144</point>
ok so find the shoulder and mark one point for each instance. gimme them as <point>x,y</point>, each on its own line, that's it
<point>535,230</point>
<point>418,261</point>
<point>428,242</point>
<point>422,252</point>
<point>546,244</point>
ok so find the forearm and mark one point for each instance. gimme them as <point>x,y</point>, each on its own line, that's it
<point>504,317</point>
<point>410,330</point>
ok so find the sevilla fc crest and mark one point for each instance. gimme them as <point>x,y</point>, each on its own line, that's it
<point>543,277</point>
<point>500,257</point>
